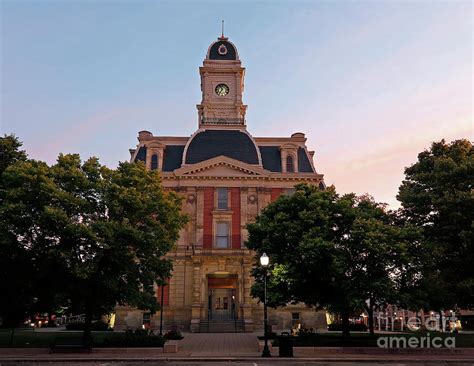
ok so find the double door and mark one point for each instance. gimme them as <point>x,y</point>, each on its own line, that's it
<point>221,304</point>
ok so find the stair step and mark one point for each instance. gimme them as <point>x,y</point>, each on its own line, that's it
<point>221,326</point>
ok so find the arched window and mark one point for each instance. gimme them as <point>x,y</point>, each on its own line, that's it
<point>154,162</point>
<point>290,167</point>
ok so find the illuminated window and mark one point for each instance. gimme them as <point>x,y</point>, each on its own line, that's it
<point>146,320</point>
<point>290,167</point>
<point>295,320</point>
<point>222,237</point>
<point>154,162</point>
<point>222,203</point>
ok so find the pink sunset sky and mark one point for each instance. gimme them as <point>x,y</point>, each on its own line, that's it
<point>371,84</point>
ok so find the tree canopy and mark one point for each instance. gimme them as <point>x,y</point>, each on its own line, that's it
<point>331,251</point>
<point>98,236</point>
<point>437,195</point>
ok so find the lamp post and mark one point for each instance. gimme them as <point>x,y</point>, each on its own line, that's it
<point>264,260</point>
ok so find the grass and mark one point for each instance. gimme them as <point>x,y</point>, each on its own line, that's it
<point>365,340</point>
<point>30,338</point>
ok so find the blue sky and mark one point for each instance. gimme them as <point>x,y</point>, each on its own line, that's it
<point>371,83</point>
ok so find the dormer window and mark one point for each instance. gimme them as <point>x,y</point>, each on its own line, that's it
<point>154,162</point>
<point>290,166</point>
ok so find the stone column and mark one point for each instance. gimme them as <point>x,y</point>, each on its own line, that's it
<point>264,197</point>
<point>199,216</point>
<point>197,303</point>
<point>247,300</point>
<point>243,214</point>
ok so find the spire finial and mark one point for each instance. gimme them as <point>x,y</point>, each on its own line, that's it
<point>222,37</point>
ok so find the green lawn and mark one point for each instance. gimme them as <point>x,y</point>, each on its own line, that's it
<point>364,339</point>
<point>30,338</point>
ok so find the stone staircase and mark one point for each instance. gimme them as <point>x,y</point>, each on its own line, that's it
<point>221,326</point>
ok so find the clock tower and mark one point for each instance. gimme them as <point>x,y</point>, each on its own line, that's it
<point>222,85</point>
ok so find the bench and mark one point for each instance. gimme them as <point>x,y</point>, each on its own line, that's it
<point>69,344</point>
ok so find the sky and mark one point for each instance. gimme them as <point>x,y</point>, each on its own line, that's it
<point>370,83</point>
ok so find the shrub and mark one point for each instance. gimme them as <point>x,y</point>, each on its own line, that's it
<point>95,326</point>
<point>360,327</point>
<point>173,334</point>
<point>138,338</point>
<point>302,332</point>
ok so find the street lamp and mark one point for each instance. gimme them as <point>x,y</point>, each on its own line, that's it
<point>264,260</point>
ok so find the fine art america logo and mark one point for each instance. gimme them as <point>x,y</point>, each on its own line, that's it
<point>431,324</point>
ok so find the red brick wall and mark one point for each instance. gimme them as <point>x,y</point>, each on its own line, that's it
<point>207,217</point>
<point>166,295</point>
<point>235,207</point>
<point>276,192</point>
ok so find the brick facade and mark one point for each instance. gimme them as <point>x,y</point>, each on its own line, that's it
<point>276,192</point>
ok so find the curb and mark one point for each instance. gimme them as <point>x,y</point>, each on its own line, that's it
<point>273,360</point>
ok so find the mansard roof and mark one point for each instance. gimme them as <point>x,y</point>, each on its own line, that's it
<point>235,144</point>
<point>271,158</point>
<point>172,157</point>
<point>304,165</point>
<point>208,144</point>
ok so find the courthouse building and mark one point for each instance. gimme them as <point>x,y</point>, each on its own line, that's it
<point>226,176</point>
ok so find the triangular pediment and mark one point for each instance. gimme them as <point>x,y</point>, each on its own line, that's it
<point>221,166</point>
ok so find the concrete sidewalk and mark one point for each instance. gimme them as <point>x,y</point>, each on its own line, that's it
<point>213,348</point>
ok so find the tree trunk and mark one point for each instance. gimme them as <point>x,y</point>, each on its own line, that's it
<point>370,313</point>
<point>50,320</point>
<point>440,325</point>
<point>88,322</point>
<point>345,326</point>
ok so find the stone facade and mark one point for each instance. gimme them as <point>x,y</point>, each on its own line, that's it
<point>226,178</point>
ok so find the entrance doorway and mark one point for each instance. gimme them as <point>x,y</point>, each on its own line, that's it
<point>222,297</point>
<point>223,304</point>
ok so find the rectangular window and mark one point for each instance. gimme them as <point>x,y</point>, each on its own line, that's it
<point>222,237</point>
<point>295,320</point>
<point>222,203</point>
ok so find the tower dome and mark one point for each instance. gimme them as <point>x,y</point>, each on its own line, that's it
<point>222,50</point>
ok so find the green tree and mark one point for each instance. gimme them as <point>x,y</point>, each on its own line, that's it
<point>15,269</point>
<point>330,251</point>
<point>295,231</point>
<point>106,231</point>
<point>437,195</point>
<point>382,255</point>
<point>10,152</point>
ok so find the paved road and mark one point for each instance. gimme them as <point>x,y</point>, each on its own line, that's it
<point>272,362</point>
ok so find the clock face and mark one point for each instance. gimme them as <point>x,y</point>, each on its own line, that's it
<point>222,90</point>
